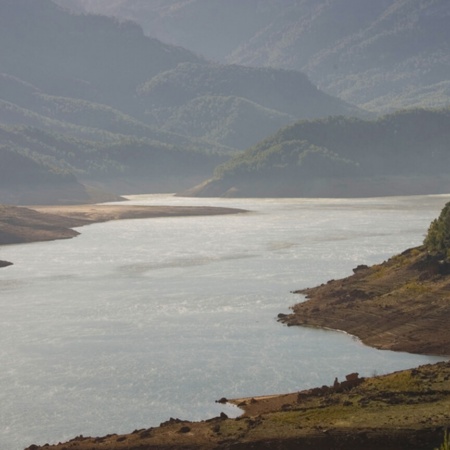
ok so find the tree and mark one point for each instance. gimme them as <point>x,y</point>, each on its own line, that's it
<point>437,240</point>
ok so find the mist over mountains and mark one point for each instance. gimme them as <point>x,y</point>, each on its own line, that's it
<point>403,153</point>
<point>127,112</point>
<point>92,107</point>
<point>380,55</point>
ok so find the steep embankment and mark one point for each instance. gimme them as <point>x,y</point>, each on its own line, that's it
<point>402,304</point>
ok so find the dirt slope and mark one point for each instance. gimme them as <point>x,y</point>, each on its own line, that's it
<point>402,304</point>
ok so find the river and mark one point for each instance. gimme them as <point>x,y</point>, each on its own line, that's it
<point>137,321</point>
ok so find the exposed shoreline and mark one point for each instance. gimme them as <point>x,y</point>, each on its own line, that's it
<point>399,305</point>
<point>104,213</point>
<point>405,409</point>
<point>46,223</point>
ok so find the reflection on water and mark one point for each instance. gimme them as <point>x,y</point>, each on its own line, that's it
<point>179,262</point>
<point>137,321</point>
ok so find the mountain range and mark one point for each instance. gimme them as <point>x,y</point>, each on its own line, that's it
<point>403,153</point>
<point>380,55</point>
<point>92,107</point>
<point>90,98</point>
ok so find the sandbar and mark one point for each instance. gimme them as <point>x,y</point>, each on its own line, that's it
<point>45,223</point>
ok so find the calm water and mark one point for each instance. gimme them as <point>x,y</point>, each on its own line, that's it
<point>137,321</point>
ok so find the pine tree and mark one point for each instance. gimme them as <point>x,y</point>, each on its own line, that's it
<point>437,240</point>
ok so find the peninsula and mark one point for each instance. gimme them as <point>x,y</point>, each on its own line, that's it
<point>402,304</point>
<point>45,223</point>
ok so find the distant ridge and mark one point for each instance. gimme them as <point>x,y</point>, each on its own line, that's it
<point>398,154</point>
<point>381,55</point>
<point>93,99</point>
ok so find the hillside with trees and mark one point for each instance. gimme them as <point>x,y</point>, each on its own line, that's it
<point>437,240</point>
<point>234,105</point>
<point>382,55</point>
<point>402,153</point>
<point>93,97</point>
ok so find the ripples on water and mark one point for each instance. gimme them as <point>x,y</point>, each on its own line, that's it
<point>139,320</point>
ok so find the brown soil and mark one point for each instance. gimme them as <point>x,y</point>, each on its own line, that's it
<point>402,304</point>
<point>45,223</point>
<point>405,410</point>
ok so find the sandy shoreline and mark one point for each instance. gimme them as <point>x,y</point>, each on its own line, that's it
<point>104,213</point>
<point>20,225</point>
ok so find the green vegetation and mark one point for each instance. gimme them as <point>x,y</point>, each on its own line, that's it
<point>30,155</point>
<point>95,97</point>
<point>289,158</point>
<point>446,444</point>
<point>234,105</point>
<point>406,142</point>
<point>344,155</point>
<point>437,240</point>
<point>379,55</point>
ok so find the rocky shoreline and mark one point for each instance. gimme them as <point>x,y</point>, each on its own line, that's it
<point>407,409</point>
<point>401,305</point>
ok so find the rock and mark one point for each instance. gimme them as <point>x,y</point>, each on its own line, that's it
<point>169,422</point>
<point>360,268</point>
<point>352,376</point>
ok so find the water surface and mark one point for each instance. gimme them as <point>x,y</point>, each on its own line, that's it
<point>136,321</point>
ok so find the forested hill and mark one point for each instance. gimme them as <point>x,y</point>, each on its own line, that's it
<point>382,55</point>
<point>235,105</point>
<point>407,152</point>
<point>80,56</point>
<point>112,106</point>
